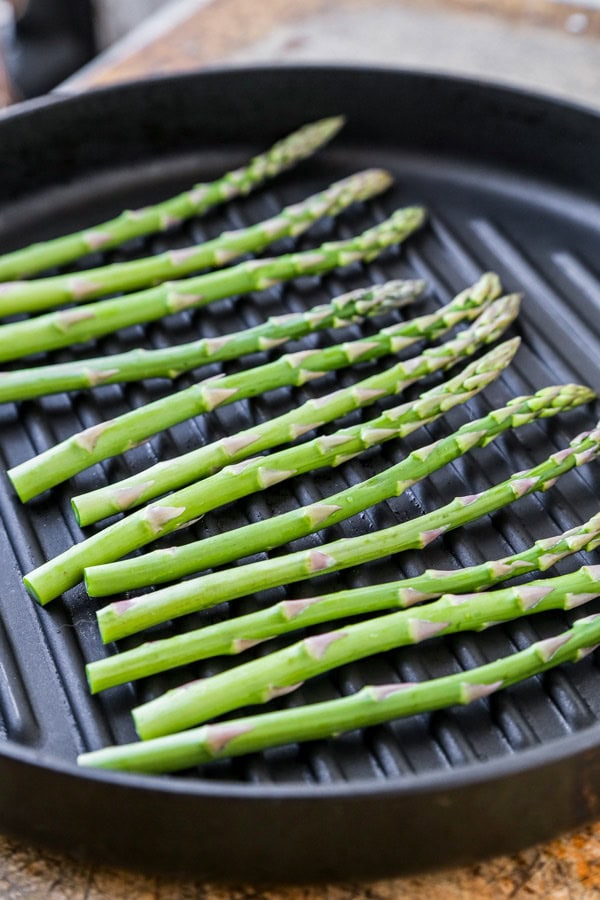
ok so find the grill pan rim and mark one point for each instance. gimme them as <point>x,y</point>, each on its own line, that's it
<point>63,99</point>
<point>532,758</point>
<point>64,92</point>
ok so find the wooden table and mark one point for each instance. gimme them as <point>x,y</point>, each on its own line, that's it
<point>522,38</point>
<point>513,41</point>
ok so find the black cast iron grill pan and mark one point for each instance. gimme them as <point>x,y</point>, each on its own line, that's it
<point>511,182</point>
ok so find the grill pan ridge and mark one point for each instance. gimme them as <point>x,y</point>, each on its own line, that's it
<point>510,180</point>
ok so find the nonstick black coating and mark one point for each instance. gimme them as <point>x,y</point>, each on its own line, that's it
<point>511,182</point>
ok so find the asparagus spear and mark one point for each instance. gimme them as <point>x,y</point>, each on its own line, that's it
<point>170,362</point>
<point>115,436</point>
<point>169,475</point>
<point>177,562</point>
<point>46,293</point>
<point>262,679</point>
<point>134,223</point>
<point>372,705</point>
<point>234,635</point>
<point>77,325</point>
<point>129,616</point>
<point>185,505</point>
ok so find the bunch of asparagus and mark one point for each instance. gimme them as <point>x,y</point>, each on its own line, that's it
<point>372,705</point>
<point>233,482</point>
<point>235,635</point>
<point>126,617</point>
<point>135,223</point>
<point>278,673</point>
<point>223,471</point>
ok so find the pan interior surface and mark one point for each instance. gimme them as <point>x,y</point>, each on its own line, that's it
<point>540,233</point>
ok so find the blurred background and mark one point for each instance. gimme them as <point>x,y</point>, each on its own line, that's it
<point>553,45</point>
<point>44,41</point>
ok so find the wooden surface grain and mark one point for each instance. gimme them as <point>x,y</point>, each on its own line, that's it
<point>513,41</point>
<point>565,869</point>
<point>244,30</point>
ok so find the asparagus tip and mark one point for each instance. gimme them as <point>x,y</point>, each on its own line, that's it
<point>315,134</point>
<point>376,181</point>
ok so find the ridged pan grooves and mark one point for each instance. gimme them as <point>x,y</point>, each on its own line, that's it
<point>479,221</point>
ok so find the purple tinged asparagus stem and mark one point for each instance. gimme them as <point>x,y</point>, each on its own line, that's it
<point>125,617</point>
<point>177,562</point>
<point>258,681</point>
<point>372,705</point>
<point>285,153</point>
<point>237,634</point>
<point>83,286</point>
<point>168,475</point>
<point>186,505</point>
<point>80,324</point>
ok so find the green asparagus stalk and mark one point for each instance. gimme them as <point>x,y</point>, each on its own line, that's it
<point>171,474</point>
<point>372,705</point>
<point>258,681</point>
<point>47,293</point>
<point>134,223</point>
<point>170,362</point>
<point>177,562</point>
<point>77,325</point>
<point>234,482</point>
<point>233,636</point>
<point>117,435</point>
<point>83,449</point>
<point>129,616</point>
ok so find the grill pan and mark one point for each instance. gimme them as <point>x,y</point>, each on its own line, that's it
<point>511,182</point>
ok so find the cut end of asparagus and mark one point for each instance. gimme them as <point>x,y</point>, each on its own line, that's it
<point>32,591</point>
<point>76,514</point>
<point>94,684</point>
<point>18,479</point>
